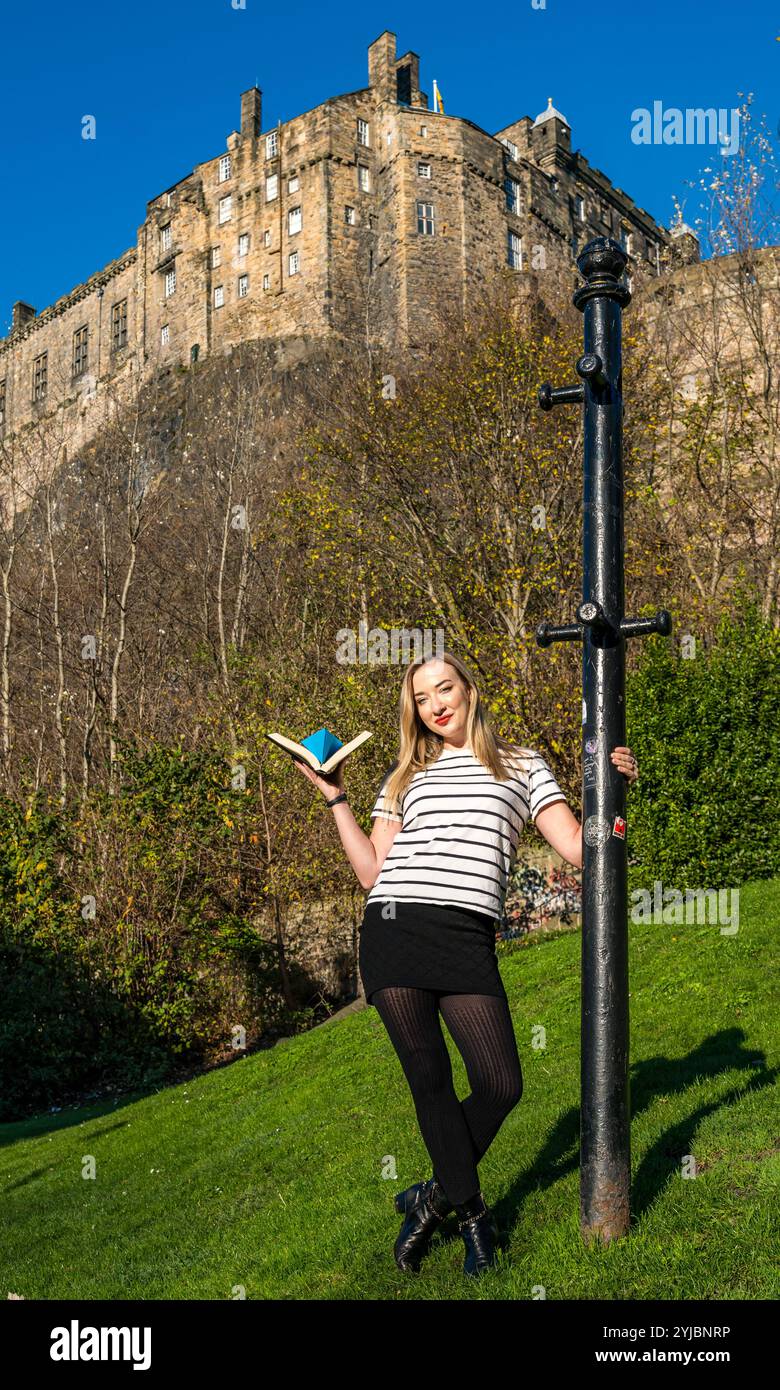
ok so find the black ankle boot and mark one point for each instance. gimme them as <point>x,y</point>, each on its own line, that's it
<point>423,1218</point>
<point>477,1227</point>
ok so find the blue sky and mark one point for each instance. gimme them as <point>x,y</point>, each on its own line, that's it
<point>164,85</point>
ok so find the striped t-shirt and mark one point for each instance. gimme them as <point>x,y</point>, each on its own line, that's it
<point>460,830</point>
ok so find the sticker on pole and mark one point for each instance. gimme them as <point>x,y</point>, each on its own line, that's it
<point>596,830</point>
<point>584,713</point>
<point>591,745</point>
<point>619,827</point>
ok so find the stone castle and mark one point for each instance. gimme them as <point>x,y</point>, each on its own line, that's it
<point>362,209</point>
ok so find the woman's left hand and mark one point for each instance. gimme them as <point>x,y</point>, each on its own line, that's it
<point>625,761</point>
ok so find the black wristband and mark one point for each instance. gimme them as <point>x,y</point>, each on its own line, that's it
<point>341,797</point>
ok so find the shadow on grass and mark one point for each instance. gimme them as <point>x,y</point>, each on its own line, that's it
<point>649,1079</point>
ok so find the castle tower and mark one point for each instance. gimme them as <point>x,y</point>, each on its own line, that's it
<point>550,136</point>
<point>684,247</point>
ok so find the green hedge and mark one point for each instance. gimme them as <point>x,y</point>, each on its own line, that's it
<point>706,730</point>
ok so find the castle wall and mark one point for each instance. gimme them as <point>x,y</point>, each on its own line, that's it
<point>107,307</point>
<point>375,273</point>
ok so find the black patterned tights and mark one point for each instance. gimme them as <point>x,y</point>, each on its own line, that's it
<point>456,1133</point>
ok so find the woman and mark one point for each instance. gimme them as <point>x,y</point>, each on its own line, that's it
<point>447,821</point>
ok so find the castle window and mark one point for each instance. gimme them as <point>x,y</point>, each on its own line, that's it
<point>243,244</point>
<point>293,184</point>
<point>362,132</point>
<point>119,325</point>
<point>216,257</point>
<point>349,216</point>
<point>424,171</point>
<point>40,372</point>
<point>164,334</point>
<point>224,168</point>
<point>271,188</point>
<point>271,145</point>
<point>225,208</point>
<point>266,282</point>
<point>511,148</point>
<point>243,286</point>
<point>294,263</point>
<point>625,240</point>
<point>579,208</point>
<point>219,296</point>
<point>2,404</point>
<point>605,213</point>
<point>170,281</point>
<point>364,181</point>
<point>425,224</point>
<point>514,251</point>
<point>80,351</point>
<point>512,190</point>
<point>165,238</point>
<point>266,238</point>
<point>423,131</point>
<point>294,221</point>
<point>554,184</point>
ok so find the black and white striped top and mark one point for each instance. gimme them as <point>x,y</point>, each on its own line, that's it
<point>460,830</point>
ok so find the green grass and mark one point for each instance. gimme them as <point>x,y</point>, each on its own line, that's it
<point>266,1177</point>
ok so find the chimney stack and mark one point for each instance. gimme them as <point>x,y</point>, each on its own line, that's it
<point>251,113</point>
<point>394,79</point>
<point>22,314</point>
<point>381,66</point>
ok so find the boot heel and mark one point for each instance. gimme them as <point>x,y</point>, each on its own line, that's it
<point>479,1237</point>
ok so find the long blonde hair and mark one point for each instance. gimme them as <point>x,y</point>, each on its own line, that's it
<point>420,747</point>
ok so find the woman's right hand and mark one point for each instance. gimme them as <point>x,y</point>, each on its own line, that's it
<point>329,786</point>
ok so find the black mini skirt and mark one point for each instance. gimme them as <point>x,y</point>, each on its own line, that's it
<point>428,946</point>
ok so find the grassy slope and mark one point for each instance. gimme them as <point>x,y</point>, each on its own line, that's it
<point>267,1176</point>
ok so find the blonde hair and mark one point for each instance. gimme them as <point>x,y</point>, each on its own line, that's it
<point>420,747</point>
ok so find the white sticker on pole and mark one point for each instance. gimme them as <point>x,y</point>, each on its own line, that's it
<point>584,712</point>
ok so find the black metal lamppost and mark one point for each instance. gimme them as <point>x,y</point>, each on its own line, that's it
<point>605,1113</point>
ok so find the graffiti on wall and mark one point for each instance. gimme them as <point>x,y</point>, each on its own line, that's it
<point>537,899</point>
